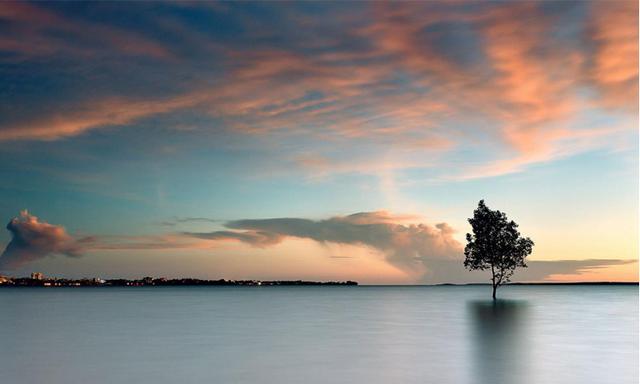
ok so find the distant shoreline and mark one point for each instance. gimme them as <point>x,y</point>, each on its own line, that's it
<point>554,283</point>
<point>86,283</point>
<point>38,280</point>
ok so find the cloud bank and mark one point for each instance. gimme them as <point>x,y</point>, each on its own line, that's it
<point>409,247</point>
<point>32,239</point>
<point>428,253</point>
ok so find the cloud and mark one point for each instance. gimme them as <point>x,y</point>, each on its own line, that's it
<point>410,247</point>
<point>148,242</point>
<point>613,31</point>
<point>254,238</point>
<point>545,270</point>
<point>97,113</point>
<point>452,271</point>
<point>33,26</point>
<point>186,220</point>
<point>568,143</point>
<point>429,254</point>
<point>33,239</point>
<point>535,78</point>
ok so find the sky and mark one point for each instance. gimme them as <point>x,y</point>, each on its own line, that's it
<point>316,140</point>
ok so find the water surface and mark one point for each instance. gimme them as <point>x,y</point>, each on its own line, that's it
<point>535,334</point>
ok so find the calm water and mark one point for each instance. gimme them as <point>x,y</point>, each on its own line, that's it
<point>551,334</point>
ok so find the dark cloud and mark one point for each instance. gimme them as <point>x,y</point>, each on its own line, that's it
<point>186,220</point>
<point>141,243</point>
<point>255,238</point>
<point>33,239</point>
<point>410,247</point>
<point>539,270</point>
<point>452,271</point>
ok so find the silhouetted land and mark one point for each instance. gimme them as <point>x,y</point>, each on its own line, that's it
<point>556,283</point>
<point>18,282</point>
<point>151,282</point>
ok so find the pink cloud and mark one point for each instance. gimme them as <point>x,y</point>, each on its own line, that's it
<point>614,67</point>
<point>36,25</point>
<point>33,239</point>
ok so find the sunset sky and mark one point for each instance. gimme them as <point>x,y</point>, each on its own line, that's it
<point>321,141</point>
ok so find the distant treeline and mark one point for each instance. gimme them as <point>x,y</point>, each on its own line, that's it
<point>149,281</point>
<point>556,283</point>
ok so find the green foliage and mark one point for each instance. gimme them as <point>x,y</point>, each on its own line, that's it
<point>495,244</point>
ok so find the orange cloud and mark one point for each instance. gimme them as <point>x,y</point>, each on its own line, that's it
<point>614,67</point>
<point>93,115</point>
<point>535,87</point>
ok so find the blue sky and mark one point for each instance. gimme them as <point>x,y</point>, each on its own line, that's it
<point>119,121</point>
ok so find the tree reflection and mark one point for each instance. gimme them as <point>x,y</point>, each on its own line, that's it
<point>499,341</point>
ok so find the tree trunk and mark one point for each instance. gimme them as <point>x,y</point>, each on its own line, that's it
<point>493,281</point>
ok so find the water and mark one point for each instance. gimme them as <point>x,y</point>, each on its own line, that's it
<point>536,334</point>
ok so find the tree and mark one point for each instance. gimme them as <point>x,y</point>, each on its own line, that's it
<point>495,244</point>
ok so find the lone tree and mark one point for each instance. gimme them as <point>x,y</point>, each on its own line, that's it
<point>495,244</point>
